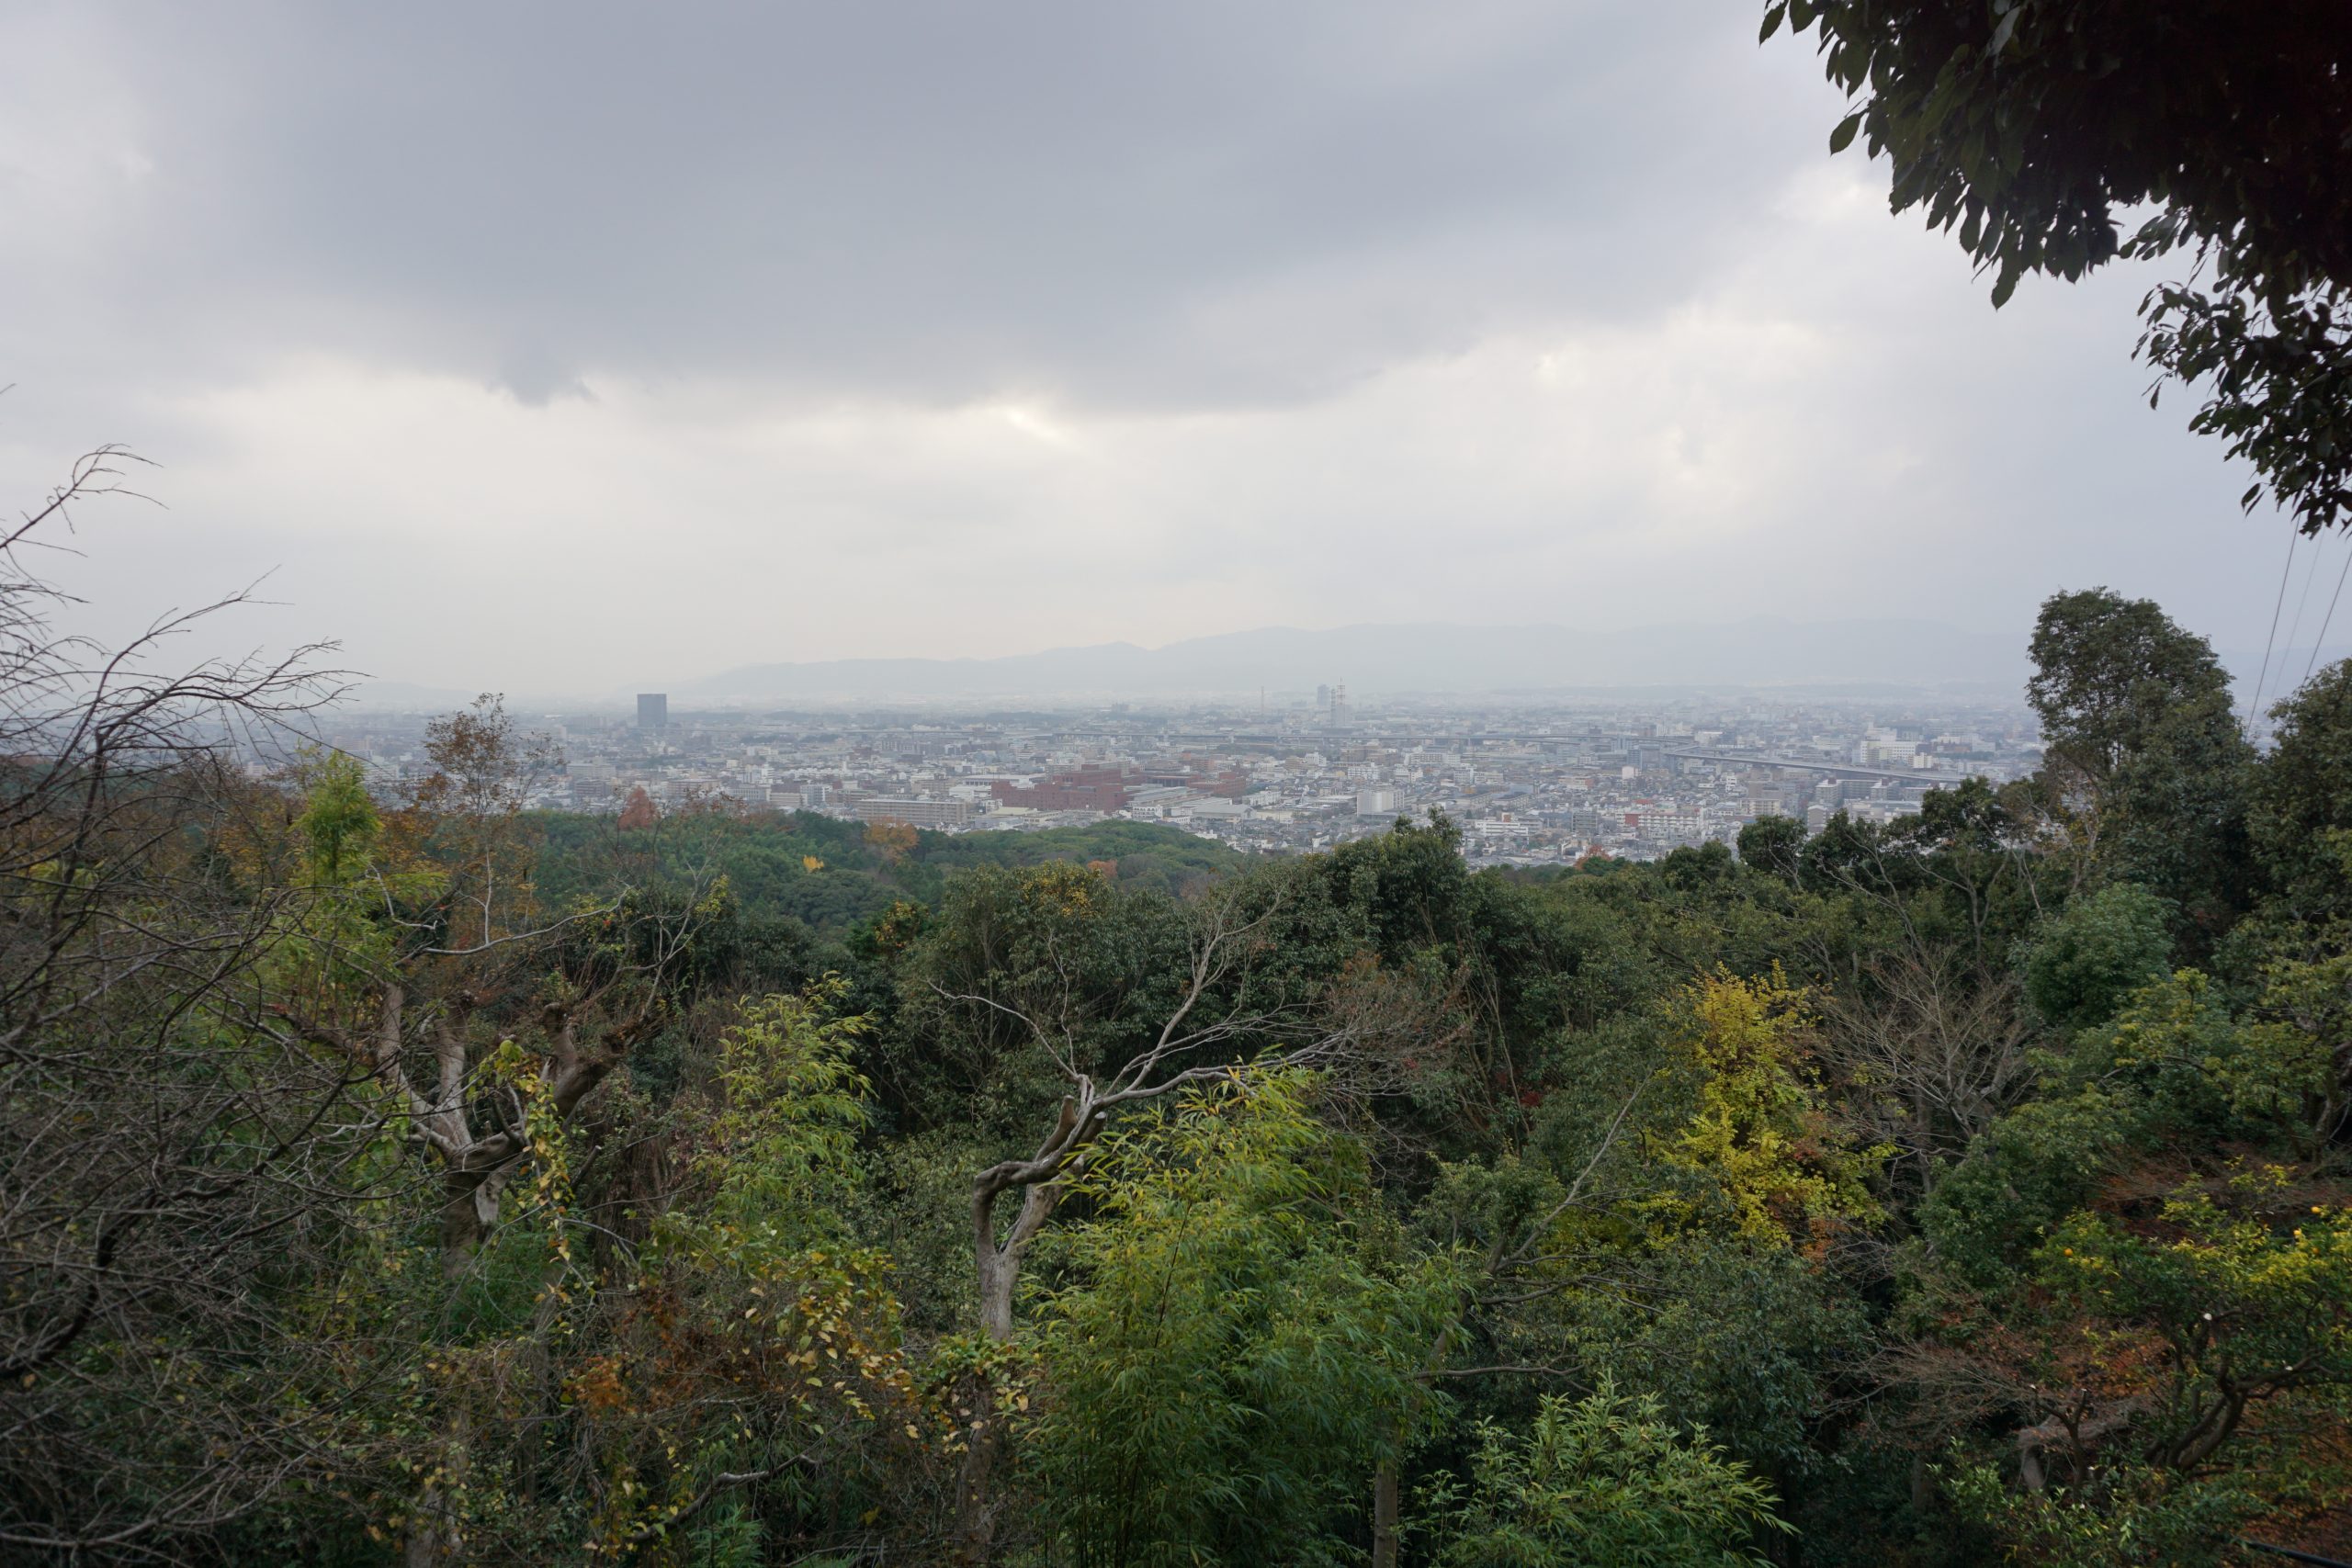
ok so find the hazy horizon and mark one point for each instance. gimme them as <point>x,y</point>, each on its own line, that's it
<point>1769,656</point>
<point>569,356</point>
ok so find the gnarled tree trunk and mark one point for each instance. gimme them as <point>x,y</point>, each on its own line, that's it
<point>998,1269</point>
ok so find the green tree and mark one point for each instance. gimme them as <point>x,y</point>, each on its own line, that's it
<point>2091,956</point>
<point>2300,808</point>
<point>1009,951</point>
<point>1742,1340</point>
<point>2191,1068</point>
<point>339,824</point>
<point>1607,1480</point>
<point>1773,844</point>
<point>2023,1175</point>
<point>2171,1356</point>
<point>2130,1517</point>
<point>759,1337</point>
<point>2107,670</point>
<point>1234,1352</point>
<point>2248,1294</point>
<point>2144,755</point>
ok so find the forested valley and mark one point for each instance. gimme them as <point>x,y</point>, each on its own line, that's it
<point>411,1177</point>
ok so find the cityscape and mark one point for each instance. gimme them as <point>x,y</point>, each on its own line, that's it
<point>1525,785</point>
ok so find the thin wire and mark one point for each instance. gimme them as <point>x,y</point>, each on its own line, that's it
<point>2303,603</point>
<point>2293,536</point>
<point>2320,640</point>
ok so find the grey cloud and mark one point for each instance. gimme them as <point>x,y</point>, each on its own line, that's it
<point>536,377</point>
<point>1161,206</point>
<point>424,300</point>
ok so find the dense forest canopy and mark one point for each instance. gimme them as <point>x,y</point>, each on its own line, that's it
<point>830,875</point>
<point>418,1178</point>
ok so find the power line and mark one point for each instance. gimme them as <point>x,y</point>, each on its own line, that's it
<point>2293,535</point>
<point>2303,602</point>
<point>2320,641</point>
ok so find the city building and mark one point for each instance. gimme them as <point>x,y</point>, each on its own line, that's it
<point>915,813</point>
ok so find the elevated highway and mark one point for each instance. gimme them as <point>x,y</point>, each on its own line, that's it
<point>1812,765</point>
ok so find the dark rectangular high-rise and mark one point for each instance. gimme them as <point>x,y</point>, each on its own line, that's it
<point>653,710</point>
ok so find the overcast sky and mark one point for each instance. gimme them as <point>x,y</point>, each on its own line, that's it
<point>577,347</point>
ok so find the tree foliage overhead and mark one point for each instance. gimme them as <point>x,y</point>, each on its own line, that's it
<point>2036,128</point>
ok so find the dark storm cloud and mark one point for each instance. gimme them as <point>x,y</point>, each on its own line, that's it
<point>1149,204</point>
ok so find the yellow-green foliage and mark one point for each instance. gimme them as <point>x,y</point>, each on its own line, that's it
<point>779,1157</point>
<point>1758,1135</point>
<point>2244,1286</point>
<point>339,823</point>
<point>344,881</point>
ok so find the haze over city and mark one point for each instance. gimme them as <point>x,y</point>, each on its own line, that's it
<point>634,349</point>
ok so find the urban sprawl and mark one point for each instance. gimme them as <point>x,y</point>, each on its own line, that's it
<point>1527,784</point>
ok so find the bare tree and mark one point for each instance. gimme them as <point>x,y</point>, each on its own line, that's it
<point>476,1135</point>
<point>1937,1047</point>
<point>1211,1033</point>
<point>1929,1034</point>
<point>162,1158</point>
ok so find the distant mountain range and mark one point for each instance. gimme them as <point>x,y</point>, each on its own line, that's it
<point>1416,659</point>
<point>1388,660</point>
